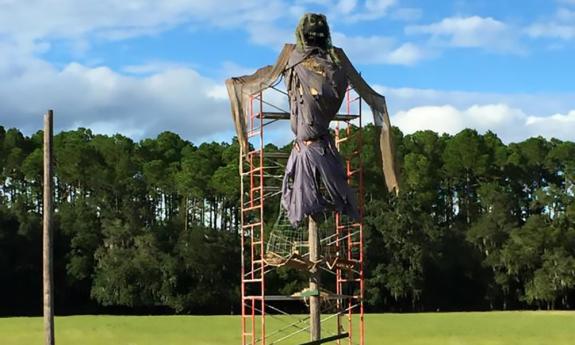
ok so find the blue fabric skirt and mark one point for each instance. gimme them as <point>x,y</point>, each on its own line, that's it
<point>315,182</point>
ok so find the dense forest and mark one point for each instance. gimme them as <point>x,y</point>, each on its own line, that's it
<point>152,226</point>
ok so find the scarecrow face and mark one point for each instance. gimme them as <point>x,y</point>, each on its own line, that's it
<point>315,31</point>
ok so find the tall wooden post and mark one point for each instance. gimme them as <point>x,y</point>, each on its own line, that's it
<point>48,279</point>
<point>314,281</point>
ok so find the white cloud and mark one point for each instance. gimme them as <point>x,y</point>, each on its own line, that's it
<point>231,68</point>
<point>176,99</point>
<point>139,100</point>
<point>407,14</point>
<point>371,10</point>
<point>179,99</point>
<point>565,14</point>
<point>560,26</point>
<point>152,67</point>
<point>69,18</point>
<point>268,34</point>
<point>315,2</point>
<point>402,99</point>
<point>352,11</point>
<point>379,6</point>
<point>560,126</point>
<point>346,6</point>
<point>378,49</point>
<point>406,54</point>
<point>513,117</point>
<point>469,32</point>
<point>145,99</point>
<point>552,30</point>
<point>448,119</point>
<point>510,124</point>
<point>439,119</point>
<point>82,22</point>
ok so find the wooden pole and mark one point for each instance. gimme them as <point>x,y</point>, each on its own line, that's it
<point>314,281</point>
<point>48,278</point>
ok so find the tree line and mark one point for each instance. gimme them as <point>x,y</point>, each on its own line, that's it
<point>152,226</point>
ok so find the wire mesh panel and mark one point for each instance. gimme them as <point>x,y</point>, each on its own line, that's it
<point>285,243</point>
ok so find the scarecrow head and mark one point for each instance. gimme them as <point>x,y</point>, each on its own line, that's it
<point>313,31</point>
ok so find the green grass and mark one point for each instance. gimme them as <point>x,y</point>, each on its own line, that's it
<point>492,328</point>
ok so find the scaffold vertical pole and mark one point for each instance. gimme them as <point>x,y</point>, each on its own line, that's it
<point>314,281</point>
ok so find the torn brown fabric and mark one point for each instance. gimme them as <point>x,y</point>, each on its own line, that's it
<point>240,89</point>
<point>381,120</point>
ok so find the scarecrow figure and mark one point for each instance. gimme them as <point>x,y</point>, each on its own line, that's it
<point>316,75</point>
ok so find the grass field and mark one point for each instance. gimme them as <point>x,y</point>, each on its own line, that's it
<point>492,328</point>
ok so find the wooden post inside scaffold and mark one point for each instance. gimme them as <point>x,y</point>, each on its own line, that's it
<point>314,281</point>
<point>47,236</point>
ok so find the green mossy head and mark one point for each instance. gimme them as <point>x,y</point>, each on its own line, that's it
<point>313,31</point>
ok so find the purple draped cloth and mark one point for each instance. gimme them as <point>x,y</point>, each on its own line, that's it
<point>315,181</point>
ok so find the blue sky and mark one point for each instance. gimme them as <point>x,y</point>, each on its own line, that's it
<point>141,67</point>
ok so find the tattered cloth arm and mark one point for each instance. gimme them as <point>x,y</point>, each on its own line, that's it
<point>380,118</point>
<point>240,89</point>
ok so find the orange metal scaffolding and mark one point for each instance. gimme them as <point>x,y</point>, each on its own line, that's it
<point>261,171</point>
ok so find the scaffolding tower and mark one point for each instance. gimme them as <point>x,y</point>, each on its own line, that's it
<point>268,317</point>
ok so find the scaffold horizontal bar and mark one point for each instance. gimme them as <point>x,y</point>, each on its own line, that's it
<point>349,280</point>
<point>277,115</point>
<point>353,225</point>
<point>255,280</point>
<point>300,298</point>
<point>272,188</point>
<point>247,226</point>
<point>251,171</point>
<point>272,154</point>
<point>251,208</point>
<point>254,152</point>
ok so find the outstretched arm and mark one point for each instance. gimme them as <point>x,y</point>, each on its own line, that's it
<point>380,118</point>
<point>241,88</point>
